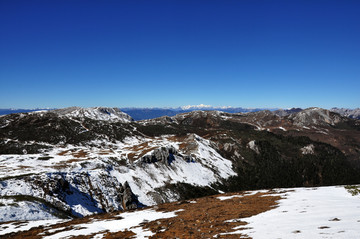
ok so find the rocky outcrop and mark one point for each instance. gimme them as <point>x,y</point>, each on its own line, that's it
<point>163,155</point>
<point>128,198</point>
<point>75,194</point>
<point>309,149</point>
<point>252,145</point>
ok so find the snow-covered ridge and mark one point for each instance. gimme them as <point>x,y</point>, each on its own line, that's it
<point>95,113</point>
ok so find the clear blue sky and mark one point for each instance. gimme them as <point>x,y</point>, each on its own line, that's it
<point>173,53</point>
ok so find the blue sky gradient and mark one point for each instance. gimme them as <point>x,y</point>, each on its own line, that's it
<point>174,53</point>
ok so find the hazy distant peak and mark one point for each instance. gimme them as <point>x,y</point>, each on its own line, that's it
<point>285,112</point>
<point>202,106</point>
<point>187,107</point>
<point>351,113</point>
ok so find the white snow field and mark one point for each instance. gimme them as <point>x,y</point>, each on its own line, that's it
<point>323,212</point>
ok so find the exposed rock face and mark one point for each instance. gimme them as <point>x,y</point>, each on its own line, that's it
<point>75,194</point>
<point>309,149</point>
<point>129,200</point>
<point>252,145</point>
<point>163,155</point>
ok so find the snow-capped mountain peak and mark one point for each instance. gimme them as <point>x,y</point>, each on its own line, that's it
<point>202,106</point>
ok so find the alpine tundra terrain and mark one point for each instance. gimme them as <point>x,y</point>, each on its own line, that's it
<point>74,162</point>
<point>324,212</point>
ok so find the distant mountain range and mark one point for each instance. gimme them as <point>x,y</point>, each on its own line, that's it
<point>12,111</point>
<point>151,113</point>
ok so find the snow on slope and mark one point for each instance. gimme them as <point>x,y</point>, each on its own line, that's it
<point>19,226</point>
<point>95,113</point>
<point>23,211</point>
<point>209,167</point>
<point>324,212</point>
<point>111,163</point>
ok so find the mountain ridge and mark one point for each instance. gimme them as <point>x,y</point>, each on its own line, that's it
<point>155,112</point>
<point>54,157</point>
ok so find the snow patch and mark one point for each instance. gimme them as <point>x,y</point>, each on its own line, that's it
<point>282,128</point>
<point>324,212</point>
<point>127,221</point>
<point>309,149</point>
<point>222,198</point>
<point>252,145</point>
<point>25,225</point>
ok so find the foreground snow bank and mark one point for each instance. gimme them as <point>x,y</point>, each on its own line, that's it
<point>325,212</point>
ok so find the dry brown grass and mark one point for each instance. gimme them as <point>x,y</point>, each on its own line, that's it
<point>67,163</point>
<point>80,154</point>
<point>23,167</point>
<point>77,154</point>
<point>139,150</point>
<point>203,219</point>
<point>105,152</point>
<point>62,153</point>
<point>207,217</point>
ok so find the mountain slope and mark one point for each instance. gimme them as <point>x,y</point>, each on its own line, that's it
<point>278,213</point>
<point>76,166</point>
<point>351,113</point>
